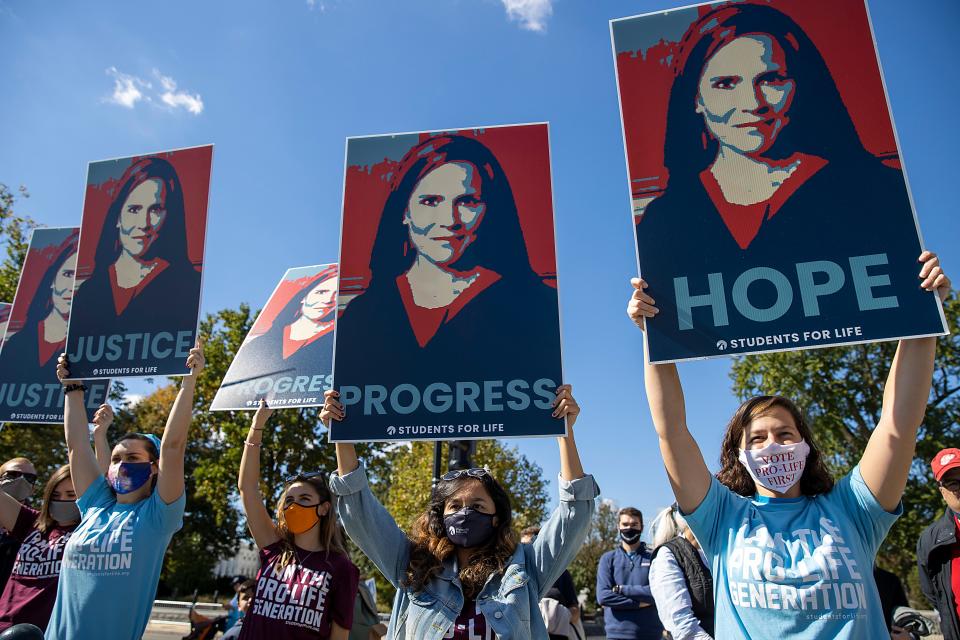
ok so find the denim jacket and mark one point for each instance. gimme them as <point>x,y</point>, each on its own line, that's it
<point>509,603</point>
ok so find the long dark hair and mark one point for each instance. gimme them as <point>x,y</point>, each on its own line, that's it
<point>171,243</point>
<point>42,302</point>
<point>499,245</point>
<point>291,310</point>
<point>816,478</point>
<point>430,545</point>
<point>819,122</point>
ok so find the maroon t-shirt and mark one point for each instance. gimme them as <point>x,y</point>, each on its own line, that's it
<point>303,599</point>
<point>32,588</point>
<point>470,625</point>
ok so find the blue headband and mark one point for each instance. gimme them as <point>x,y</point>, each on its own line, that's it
<point>154,439</point>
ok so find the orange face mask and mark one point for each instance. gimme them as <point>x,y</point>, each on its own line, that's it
<point>301,519</point>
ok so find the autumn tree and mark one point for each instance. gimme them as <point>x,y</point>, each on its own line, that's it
<point>841,391</point>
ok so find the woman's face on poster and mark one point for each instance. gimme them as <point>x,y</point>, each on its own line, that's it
<point>444,212</point>
<point>321,300</point>
<point>142,217</point>
<point>744,94</point>
<point>62,294</point>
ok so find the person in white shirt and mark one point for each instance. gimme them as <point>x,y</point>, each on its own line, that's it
<point>680,580</point>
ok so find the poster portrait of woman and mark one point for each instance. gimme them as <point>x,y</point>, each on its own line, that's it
<point>4,318</point>
<point>287,356</point>
<point>766,180</point>
<point>141,256</point>
<point>458,285</point>
<point>36,331</point>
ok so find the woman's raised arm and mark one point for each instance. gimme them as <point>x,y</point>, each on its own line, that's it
<point>889,453</point>
<point>365,520</point>
<point>173,445</point>
<point>682,458</point>
<point>102,420</point>
<point>83,462</point>
<point>258,518</point>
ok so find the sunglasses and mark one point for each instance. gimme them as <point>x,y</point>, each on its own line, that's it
<point>305,476</point>
<point>13,475</point>
<point>459,473</point>
<point>951,485</point>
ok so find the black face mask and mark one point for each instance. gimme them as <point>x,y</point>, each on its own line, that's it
<point>468,527</point>
<point>631,535</point>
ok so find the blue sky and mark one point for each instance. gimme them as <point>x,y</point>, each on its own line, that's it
<point>277,86</point>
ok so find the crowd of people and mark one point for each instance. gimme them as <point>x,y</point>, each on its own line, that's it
<point>771,542</point>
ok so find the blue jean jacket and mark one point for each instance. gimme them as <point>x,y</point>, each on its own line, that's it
<point>509,603</point>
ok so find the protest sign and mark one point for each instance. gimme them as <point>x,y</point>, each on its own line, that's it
<point>448,276</point>
<point>770,204</point>
<point>287,356</point>
<point>36,332</point>
<point>140,261</point>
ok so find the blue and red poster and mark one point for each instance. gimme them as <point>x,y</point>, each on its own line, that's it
<point>140,261</point>
<point>36,332</point>
<point>287,356</point>
<point>770,204</point>
<point>451,326</point>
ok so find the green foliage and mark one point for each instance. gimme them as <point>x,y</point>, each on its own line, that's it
<point>841,391</point>
<point>603,536</point>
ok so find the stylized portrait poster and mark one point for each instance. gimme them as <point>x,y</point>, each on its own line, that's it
<point>140,261</point>
<point>287,357</point>
<point>769,199</point>
<point>450,325</point>
<point>36,332</point>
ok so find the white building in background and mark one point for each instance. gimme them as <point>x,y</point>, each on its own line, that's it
<point>245,562</point>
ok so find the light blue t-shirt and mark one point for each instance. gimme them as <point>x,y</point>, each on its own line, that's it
<point>795,568</point>
<point>111,566</point>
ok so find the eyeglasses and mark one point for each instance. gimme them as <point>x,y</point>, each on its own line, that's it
<point>13,475</point>
<point>951,485</point>
<point>305,476</point>
<point>459,473</point>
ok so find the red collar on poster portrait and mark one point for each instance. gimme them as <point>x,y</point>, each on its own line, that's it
<point>45,350</point>
<point>426,322</point>
<point>122,297</point>
<point>744,220</point>
<point>290,346</point>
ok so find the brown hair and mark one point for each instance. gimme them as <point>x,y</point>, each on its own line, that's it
<point>632,512</point>
<point>816,478</point>
<point>430,545</point>
<point>248,587</point>
<point>44,521</point>
<point>330,536</point>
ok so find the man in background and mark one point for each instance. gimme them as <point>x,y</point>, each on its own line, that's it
<point>623,584</point>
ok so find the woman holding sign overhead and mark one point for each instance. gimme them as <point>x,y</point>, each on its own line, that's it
<point>792,549</point>
<point>306,585</point>
<point>460,573</point>
<point>111,565</point>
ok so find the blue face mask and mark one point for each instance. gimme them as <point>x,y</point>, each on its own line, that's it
<point>127,477</point>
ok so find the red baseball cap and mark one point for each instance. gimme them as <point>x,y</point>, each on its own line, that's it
<point>944,461</point>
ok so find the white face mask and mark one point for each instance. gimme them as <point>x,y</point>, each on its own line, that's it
<point>777,466</point>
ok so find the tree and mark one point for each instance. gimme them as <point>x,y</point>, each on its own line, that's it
<point>603,536</point>
<point>841,391</point>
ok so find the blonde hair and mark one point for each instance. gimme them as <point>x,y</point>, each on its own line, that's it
<point>668,524</point>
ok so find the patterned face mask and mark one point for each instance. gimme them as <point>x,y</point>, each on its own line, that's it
<point>777,466</point>
<point>127,477</point>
